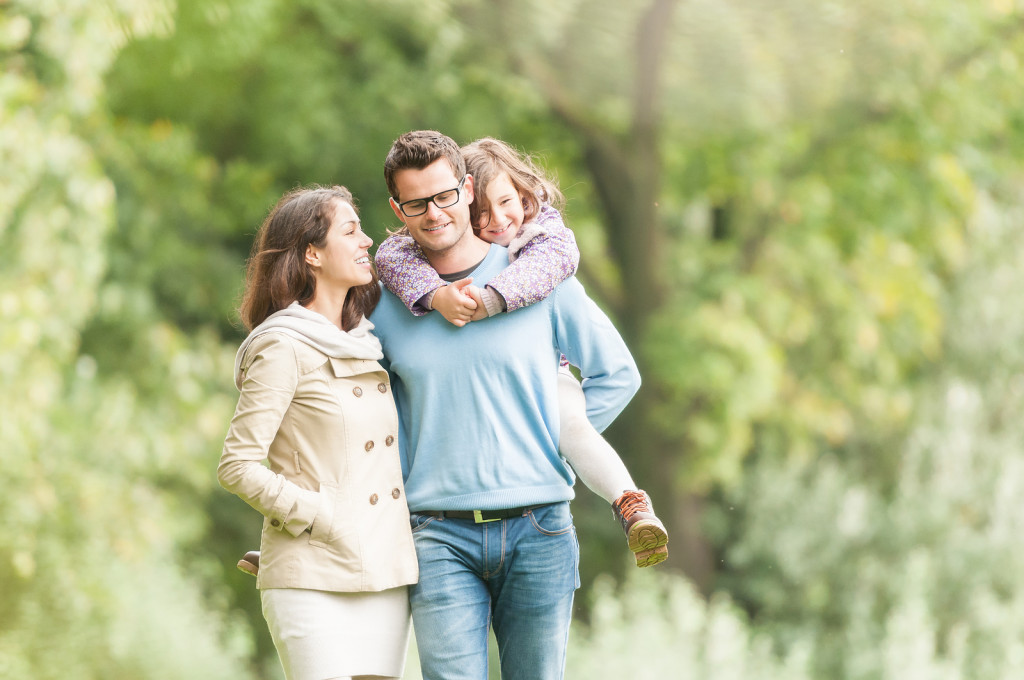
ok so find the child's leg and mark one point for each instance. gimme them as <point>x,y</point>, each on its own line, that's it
<point>594,460</point>
<point>604,473</point>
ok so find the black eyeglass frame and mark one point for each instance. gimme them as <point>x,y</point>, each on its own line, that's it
<point>427,200</point>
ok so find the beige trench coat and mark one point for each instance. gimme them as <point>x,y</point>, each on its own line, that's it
<point>335,516</point>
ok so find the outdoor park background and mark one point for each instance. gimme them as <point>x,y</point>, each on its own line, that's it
<point>805,216</point>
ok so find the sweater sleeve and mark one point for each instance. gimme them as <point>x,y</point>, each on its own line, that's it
<point>405,271</point>
<point>543,255</point>
<point>271,377</point>
<point>586,336</point>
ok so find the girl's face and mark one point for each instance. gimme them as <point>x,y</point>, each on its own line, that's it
<point>501,214</point>
<point>344,259</point>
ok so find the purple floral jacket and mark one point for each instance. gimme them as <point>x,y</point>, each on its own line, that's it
<point>543,254</point>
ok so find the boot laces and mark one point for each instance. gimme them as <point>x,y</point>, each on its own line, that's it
<point>633,502</point>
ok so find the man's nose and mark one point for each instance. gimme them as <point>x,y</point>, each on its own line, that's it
<point>433,212</point>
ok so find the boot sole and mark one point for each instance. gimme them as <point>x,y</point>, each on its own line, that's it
<point>648,558</point>
<point>647,534</point>
<point>248,567</point>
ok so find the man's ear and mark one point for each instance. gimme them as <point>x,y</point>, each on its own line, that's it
<point>468,188</point>
<point>312,256</point>
<point>398,211</point>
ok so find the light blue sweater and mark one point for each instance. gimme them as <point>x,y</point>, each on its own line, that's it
<point>478,405</point>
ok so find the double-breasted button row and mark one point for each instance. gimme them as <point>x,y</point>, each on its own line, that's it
<point>395,493</point>
<point>388,441</point>
<point>381,387</point>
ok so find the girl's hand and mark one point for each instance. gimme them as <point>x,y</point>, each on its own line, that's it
<point>455,304</point>
<point>481,309</point>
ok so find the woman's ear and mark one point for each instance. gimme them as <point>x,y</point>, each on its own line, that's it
<point>312,256</point>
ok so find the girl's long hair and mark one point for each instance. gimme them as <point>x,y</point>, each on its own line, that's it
<point>487,158</point>
<point>277,273</point>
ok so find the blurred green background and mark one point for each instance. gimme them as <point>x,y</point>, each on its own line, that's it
<point>805,216</point>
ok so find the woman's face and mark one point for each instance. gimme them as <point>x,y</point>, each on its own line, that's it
<point>344,259</point>
<point>501,214</point>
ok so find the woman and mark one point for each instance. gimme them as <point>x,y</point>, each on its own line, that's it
<point>336,550</point>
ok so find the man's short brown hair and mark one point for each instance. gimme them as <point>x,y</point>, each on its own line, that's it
<point>418,149</point>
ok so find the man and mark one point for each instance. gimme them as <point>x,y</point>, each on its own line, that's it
<point>487,490</point>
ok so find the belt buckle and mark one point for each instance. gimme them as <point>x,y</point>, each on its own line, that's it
<point>478,517</point>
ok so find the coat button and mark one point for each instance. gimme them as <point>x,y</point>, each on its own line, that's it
<point>373,499</point>
<point>395,493</point>
<point>382,388</point>
<point>369,445</point>
<point>389,440</point>
<point>275,522</point>
<point>358,391</point>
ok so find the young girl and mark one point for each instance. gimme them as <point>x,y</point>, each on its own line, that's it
<point>516,206</point>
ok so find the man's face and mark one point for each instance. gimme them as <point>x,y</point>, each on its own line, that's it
<point>436,230</point>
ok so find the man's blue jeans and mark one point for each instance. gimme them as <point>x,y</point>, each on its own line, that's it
<point>519,574</point>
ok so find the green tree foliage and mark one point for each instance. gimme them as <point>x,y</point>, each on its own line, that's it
<point>918,578</point>
<point>97,482</point>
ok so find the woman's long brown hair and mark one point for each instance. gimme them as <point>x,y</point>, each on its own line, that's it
<point>277,273</point>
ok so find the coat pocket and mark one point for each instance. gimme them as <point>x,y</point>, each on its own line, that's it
<point>337,532</point>
<point>323,523</point>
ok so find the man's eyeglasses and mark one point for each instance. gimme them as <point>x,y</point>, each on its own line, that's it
<point>442,199</point>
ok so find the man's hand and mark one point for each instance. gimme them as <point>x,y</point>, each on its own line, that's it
<point>456,304</point>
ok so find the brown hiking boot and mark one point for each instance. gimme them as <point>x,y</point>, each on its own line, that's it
<point>644,531</point>
<point>250,562</point>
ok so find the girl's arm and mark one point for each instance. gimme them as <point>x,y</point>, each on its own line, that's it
<point>404,269</point>
<point>544,254</point>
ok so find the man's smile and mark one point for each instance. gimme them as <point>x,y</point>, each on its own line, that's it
<point>438,227</point>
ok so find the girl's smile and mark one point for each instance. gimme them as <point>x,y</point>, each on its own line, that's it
<point>503,214</point>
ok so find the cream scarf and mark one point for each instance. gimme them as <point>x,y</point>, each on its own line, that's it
<point>318,332</point>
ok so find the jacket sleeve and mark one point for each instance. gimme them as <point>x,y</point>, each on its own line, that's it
<point>270,380</point>
<point>586,336</point>
<point>543,255</point>
<point>404,269</point>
